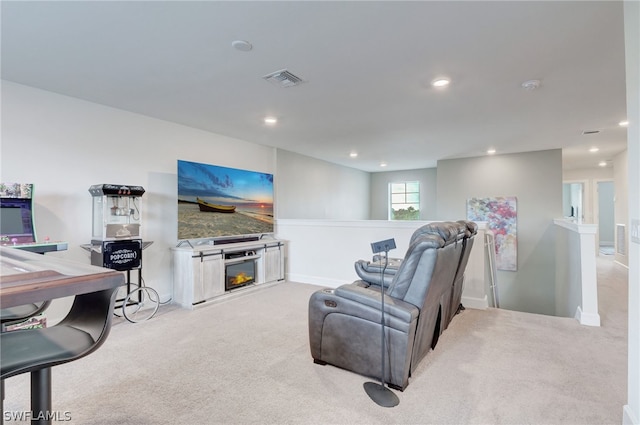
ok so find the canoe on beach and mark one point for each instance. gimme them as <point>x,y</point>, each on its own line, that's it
<point>207,207</point>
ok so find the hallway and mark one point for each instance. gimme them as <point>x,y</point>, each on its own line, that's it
<point>613,301</point>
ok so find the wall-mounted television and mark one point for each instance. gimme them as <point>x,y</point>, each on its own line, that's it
<point>220,202</point>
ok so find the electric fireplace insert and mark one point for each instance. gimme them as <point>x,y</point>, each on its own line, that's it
<point>240,270</point>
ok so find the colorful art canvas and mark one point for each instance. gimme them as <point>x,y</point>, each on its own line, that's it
<point>500,213</point>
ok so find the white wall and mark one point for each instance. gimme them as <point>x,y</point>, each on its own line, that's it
<point>535,179</point>
<point>323,252</point>
<point>64,145</point>
<point>631,413</point>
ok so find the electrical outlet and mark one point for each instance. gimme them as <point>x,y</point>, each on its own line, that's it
<point>383,246</point>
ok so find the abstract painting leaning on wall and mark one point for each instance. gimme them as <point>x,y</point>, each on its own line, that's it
<point>500,213</point>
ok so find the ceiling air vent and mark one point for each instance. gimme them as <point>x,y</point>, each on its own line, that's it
<point>587,132</point>
<point>283,78</point>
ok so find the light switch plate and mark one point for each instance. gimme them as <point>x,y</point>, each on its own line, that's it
<point>635,230</point>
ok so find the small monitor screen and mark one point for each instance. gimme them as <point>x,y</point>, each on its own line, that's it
<point>11,221</point>
<point>16,221</point>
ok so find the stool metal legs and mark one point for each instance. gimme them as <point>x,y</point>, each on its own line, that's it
<point>2,401</point>
<point>41,396</point>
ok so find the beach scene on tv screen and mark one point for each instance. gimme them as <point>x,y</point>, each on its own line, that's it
<point>215,201</point>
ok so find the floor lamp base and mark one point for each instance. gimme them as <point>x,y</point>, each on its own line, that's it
<point>381,395</point>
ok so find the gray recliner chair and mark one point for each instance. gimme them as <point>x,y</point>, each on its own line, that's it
<point>376,270</point>
<point>344,323</point>
<point>372,271</point>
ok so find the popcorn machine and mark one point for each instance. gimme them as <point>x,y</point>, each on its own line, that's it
<point>117,214</point>
<point>116,243</point>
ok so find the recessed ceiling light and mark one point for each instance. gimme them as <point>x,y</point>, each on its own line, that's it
<point>353,154</point>
<point>623,123</point>
<point>270,120</point>
<point>491,151</point>
<point>594,149</point>
<point>602,163</point>
<point>440,82</point>
<point>383,164</point>
<point>243,46</point>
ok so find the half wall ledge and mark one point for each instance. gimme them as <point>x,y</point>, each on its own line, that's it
<point>576,274</point>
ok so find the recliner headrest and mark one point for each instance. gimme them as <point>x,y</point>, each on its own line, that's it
<point>471,227</point>
<point>447,230</point>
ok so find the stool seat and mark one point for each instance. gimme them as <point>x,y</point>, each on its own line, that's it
<point>36,351</point>
<point>32,349</point>
<point>81,332</point>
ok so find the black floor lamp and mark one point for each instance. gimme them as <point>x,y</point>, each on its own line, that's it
<point>379,393</point>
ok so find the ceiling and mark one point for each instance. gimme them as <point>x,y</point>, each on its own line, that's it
<point>367,68</point>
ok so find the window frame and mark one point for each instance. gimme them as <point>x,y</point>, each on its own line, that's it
<point>406,194</point>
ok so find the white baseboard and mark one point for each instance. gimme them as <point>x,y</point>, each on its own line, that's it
<point>587,319</point>
<point>475,303</point>
<point>628,418</point>
<point>316,280</point>
<point>620,264</point>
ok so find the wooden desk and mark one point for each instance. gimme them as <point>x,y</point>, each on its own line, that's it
<point>40,247</point>
<point>27,277</point>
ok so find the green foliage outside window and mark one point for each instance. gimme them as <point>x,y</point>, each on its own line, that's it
<point>408,214</point>
<point>405,201</point>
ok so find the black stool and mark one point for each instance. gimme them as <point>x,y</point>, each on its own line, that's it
<point>81,332</point>
<point>11,315</point>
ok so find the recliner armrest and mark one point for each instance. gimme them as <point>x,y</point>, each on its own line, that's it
<point>373,272</point>
<point>372,298</point>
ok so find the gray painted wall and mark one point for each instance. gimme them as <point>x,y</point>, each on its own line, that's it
<point>308,188</point>
<point>535,179</point>
<point>380,191</point>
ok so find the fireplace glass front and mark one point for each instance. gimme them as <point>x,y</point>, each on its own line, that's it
<point>240,274</point>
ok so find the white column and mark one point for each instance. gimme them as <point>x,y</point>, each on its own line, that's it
<point>577,285</point>
<point>587,312</point>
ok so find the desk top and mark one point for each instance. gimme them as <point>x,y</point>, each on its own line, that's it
<point>27,277</point>
<point>40,247</point>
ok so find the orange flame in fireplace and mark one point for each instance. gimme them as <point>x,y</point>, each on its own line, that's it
<point>241,278</point>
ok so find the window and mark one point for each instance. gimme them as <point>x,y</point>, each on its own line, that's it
<point>404,201</point>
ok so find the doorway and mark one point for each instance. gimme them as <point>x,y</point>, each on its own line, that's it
<point>573,201</point>
<point>605,216</point>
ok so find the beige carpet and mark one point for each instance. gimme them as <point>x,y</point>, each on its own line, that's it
<point>247,361</point>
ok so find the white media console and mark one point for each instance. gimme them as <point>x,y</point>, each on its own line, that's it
<point>211,270</point>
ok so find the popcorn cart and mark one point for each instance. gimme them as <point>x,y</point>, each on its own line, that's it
<point>116,243</point>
